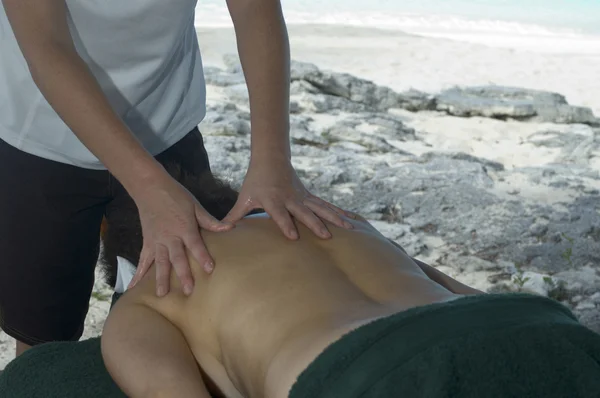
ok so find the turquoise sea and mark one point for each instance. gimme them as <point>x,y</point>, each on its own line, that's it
<point>536,17</point>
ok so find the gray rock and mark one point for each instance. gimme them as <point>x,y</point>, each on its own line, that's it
<point>344,147</point>
<point>415,101</point>
<point>295,107</point>
<point>370,142</point>
<point>455,199</point>
<point>357,90</point>
<point>581,280</point>
<point>238,93</point>
<point>538,229</point>
<point>302,70</point>
<point>225,120</point>
<point>302,134</point>
<point>229,157</point>
<point>469,264</point>
<point>218,77</point>
<point>299,87</point>
<point>497,102</point>
<point>308,151</point>
<point>325,103</point>
<point>383,125</point>
<point>585,305</point>
<point>577,145</point>
<point>572,176</point>
<point>590,318</point>
<point>487,164</point>
<point>232,63</point>
<point>565,114</point>
<point>515,103</point>
<point>477,102</point>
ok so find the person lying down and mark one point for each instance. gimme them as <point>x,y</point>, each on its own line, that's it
<point>353,316</point>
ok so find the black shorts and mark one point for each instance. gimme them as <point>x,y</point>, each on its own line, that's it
<point>50,217</point>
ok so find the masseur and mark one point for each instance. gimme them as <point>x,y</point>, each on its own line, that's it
<point>95,96</point>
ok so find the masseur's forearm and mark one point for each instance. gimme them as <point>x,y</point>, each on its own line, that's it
<point>64,79</point>
<point>264,51</point>
<point>71,89</point>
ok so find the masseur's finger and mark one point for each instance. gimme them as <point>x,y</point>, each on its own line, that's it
<point>239,211</point>
<point>197,248</point>
<point>207,221</point>
<point>308,218</point>
<point>181,265</point>
<point>146,259</point>
<point>163,270</point>
<point>282,218</point>
<point>321,209</point>
<point>193,241</point>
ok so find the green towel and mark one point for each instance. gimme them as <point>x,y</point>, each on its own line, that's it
<point>492,346</point>
<point>484,346</point>
<point>59,370</point>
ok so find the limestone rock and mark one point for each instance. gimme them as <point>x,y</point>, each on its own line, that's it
<point>357,90</point>
<point>219,77</point>
<point>232,63</point>
<point>501,102</point>
<point>225,120</point>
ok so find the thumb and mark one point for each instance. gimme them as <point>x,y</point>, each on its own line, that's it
<point>207,221</point>
<point>239,211</point>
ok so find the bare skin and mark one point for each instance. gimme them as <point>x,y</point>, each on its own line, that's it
<point>269,309</point>
<point>21,348</point>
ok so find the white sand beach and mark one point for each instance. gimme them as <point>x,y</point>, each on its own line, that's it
<point>403,61</point>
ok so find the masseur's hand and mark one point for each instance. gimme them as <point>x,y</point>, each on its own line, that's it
<point>274,186</point>
<point>170,217</point>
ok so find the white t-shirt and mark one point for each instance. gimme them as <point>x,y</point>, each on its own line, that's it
<point>144,54</point>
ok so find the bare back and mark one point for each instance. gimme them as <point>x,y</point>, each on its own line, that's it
<point>272,305</point>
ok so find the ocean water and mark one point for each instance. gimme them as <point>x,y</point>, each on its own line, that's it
<point>569,18</point>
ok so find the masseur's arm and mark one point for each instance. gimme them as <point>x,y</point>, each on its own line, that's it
<point>264,51</point>
<point>64,79</point>
<point>169,214</point>
<point>271,182</point>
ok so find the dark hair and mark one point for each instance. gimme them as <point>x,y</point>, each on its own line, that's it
<point>123,232</point>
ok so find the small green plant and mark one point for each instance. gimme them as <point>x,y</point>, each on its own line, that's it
<point>571,240</point>
<point>100,296</point>
<point>550,282</point>
<point>519,280</point>
<point>559,291</point>
<point>568,253</point>
<point>556,290</point>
